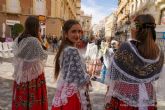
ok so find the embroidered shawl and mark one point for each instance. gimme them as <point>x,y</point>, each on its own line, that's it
<point>132,76</point>
<point>72,79</point>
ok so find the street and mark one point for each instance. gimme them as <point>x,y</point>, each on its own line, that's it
<point>6,83</point>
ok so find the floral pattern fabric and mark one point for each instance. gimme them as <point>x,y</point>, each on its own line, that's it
<point>30,95</point>
<point>72,80</point>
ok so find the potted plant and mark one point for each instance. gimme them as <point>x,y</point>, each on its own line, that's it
<point>16,30</point>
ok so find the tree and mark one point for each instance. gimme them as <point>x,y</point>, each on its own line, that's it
<point>16,30</point>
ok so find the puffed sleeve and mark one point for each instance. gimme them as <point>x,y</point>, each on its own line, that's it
<point>74,68</point>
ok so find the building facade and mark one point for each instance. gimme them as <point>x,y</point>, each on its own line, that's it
<point>128,9</point>
<point>122,14</point>
<point>110,25</point>
<point>51,13</point>
<point>99,29</point>
<point>86,21</point>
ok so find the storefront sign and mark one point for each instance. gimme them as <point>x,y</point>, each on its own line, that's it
<point>11,22</point>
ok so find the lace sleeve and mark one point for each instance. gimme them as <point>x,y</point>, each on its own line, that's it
<point>74,69</point>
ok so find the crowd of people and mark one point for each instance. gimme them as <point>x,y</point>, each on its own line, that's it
<point>52,42</point>
<point>127,68</point>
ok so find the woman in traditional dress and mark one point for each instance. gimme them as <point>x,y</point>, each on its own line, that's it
<point>70,71</point>
<point>90,55</point>
<point>29,92</point>
<point>135,66</point>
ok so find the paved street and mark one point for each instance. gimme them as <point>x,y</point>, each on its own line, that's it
<point>6,83</point>
<point>6,70</point>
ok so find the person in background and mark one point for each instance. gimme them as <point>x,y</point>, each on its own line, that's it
<point>90,55</point>
<point>41,41</point>
<point>55,43</point>
<point>134,68</point>
<point>29,91</point>
<point>106,59</point>
<point>70,71</point>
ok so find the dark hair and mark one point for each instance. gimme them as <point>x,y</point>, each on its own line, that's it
<point>66,27</point>
<point>31,27</point>
<point>146,35</point>
<point>147,25</point>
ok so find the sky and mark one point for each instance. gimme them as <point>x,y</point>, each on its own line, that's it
<point>99,9</point>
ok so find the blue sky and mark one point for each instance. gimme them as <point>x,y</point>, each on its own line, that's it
<point>98,8</point>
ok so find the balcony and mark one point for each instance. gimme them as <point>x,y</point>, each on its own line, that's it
<point>78,5</point>
<point>121,6</point>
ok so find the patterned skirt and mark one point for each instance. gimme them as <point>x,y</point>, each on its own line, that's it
<point>73,104</point>
<point>116,104</point>
<point>30,95</point>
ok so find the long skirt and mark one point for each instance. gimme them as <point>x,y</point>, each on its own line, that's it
<point>75,104</point>
<point>30,95</point>
<point>116,104</point>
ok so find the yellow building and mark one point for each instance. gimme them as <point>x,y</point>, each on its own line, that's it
<point>110,25</point>
<point>61,10</point>
<point>122,19</point>
<point>128,9</point>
